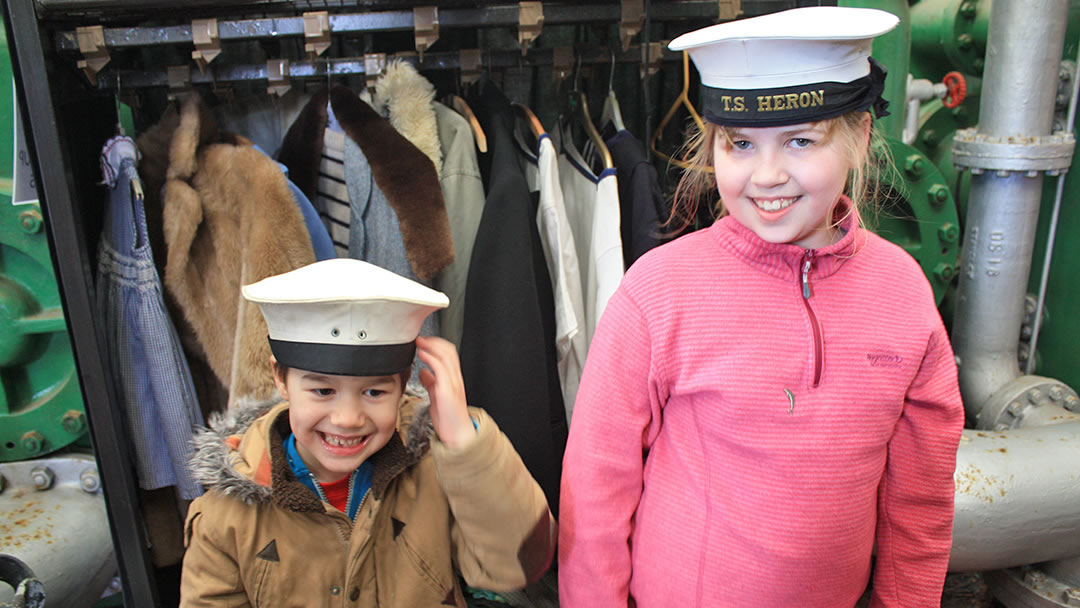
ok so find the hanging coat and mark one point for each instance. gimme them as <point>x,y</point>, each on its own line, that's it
<point>508,344</point>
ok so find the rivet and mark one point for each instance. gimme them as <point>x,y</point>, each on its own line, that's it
<point>335,590</point>
<point>362,335</point>
<point>335,332</point>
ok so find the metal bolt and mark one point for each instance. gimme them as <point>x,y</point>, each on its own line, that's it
<point>914,165</point>
<point>930,138</point>
<point>30,221</point>
<point>1015,408</point>
<point>1061,100</point>
<point>938,194</point>
<point>1034,578</point>
<point>42,477</point>
<point>977,171</point>
<point>1072,597</point>
<point>73,422</point>
<point>1056,394</point>
<point>1072,403</point>
<point>1026,332</point>
<point>1031,173</point>
<point>90,481</point>
<point>948,232</point>
<point>1034,396</point>
<point>964,42</point>
<point>967,10</point>
<point>1023,352</point>
<point>32,441</point>
<point>945,272</point>
<point>1003,173</point>
<point>978,64</point>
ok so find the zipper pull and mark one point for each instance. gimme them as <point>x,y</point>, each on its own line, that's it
<point>807,260</point>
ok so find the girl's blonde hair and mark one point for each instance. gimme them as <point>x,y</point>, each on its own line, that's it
<point>865,184</point>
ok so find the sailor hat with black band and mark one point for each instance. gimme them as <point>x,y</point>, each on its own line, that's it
<point>794,66</point>
<point>344,317</point>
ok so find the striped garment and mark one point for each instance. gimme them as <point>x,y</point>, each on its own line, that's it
<point>331,196</point>
<point>735,443</point>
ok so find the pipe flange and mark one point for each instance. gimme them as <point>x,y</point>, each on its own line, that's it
<point>1030,587</point>
<point>1029,155</point>
<point>1019,401</point>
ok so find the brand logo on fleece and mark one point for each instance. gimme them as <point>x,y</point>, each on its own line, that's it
<point>884,359</point>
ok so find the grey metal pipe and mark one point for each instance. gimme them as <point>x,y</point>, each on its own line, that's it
<point>1016,497</point>
<point>1019,89</point>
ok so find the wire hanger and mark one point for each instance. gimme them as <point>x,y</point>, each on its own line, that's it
<point>611,113</point>
<point>579,109</point>
<point>682,100</point>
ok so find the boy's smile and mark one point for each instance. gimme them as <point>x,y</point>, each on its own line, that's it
<point>339,421</point>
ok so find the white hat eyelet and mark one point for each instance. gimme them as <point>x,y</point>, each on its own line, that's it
<point>362,335</point>
<point>335,332</point>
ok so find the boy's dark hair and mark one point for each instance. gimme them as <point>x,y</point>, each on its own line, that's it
<point>281,370</point>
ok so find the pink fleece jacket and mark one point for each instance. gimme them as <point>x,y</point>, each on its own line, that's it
<point>735,443</point>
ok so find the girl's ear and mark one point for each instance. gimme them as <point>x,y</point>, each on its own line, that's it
<point>279,380</point>
<point>864,132</point>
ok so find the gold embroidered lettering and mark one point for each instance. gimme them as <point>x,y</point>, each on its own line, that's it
<point>792,101</point>
<point>804,100</point>
<point>764,104</point>
<point>817,98</point>
<point>726,99</point>
<point>740,104</point>
<point>778,102</point>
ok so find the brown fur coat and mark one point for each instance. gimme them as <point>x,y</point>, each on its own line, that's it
<point>228,219</point>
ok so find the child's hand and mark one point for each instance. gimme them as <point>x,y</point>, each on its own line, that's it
<point>446,387</point>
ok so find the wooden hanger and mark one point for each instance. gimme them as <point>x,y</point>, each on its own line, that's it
<point>463,108</point>
<point>611,113</point>
<point>535,125</point>
<point>682,100</point>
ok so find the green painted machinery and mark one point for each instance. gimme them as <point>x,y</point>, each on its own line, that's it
<point>41,408</point>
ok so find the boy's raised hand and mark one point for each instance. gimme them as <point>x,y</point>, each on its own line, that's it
<point>446,388</point>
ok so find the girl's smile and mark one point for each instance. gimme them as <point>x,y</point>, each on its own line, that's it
<point>783,182</point>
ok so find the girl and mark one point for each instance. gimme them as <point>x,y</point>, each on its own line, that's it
<point>771,400</point>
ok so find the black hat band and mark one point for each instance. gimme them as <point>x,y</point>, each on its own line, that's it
<point>797,104</point>
<point>345,359</point>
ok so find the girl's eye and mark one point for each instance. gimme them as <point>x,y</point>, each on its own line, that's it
<point>323,392</point>
<point>741,144</point>
<point>801,142</point>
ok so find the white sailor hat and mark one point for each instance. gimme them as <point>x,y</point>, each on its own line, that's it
<point>344,316</point>
<point>794,66</point>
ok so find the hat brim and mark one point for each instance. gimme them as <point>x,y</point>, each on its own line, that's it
<point>345,359</point>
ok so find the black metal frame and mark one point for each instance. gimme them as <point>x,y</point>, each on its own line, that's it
<point>59,199</point>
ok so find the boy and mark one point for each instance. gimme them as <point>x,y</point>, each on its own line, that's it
<point>340,496</point>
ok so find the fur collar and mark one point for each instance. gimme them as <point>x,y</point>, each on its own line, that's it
<point>404,174</point>
<point>408,98</point>
<point>216,462</point>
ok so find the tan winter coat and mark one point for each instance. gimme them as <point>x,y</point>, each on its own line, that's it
<point>260,538</point>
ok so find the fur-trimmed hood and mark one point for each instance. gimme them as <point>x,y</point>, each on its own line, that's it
<point>404,174</point>
<point>241,453</point>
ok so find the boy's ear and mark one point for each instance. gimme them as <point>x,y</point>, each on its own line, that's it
<point>279,380</point>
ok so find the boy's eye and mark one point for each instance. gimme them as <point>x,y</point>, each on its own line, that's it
<point>374,393</point>
<point>323,392</point>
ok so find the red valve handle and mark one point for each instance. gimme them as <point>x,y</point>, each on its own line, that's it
<point>957,86</point>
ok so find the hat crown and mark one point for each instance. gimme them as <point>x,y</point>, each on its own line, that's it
<point>789,48</point>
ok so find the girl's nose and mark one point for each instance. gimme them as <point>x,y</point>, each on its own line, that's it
<point>769,172</point>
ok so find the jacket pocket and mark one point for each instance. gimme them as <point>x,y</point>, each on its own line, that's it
<point>262,590</point>
<point>425,570</point>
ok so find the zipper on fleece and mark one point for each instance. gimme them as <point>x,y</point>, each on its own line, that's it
<point>807,265</point>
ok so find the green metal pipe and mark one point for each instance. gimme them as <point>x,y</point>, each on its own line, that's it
<point>892,50</point>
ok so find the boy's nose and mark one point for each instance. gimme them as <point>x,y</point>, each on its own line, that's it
<point>349,415</point>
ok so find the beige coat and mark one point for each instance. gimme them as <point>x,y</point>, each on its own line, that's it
<point>260,538</point>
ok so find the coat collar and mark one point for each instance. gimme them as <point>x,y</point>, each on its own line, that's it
<point>785,261</point>
<point>408,100</point>
<point>404,174</point>
<point>242,454</point>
